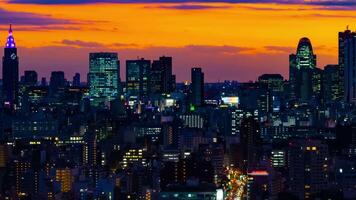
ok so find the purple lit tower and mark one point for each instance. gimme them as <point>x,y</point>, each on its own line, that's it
<point>10,71</point>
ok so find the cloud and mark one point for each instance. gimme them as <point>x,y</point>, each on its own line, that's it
<point>79,43</point>
<point>188,7</point>
<point>181,4</point>
<point>29,19</point>
<point>88,44</point>
<point>280,49</point>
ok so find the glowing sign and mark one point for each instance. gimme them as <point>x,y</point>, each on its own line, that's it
<point>258,173</point>
<point>230,100</point>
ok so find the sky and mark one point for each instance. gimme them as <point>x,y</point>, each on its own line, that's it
<point>229,39</point>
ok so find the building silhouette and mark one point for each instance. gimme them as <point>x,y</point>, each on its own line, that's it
<point>197,87</point>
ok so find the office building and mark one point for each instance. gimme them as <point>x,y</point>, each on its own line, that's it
<point>162,79</point>
<point>331,83</point>
<point>197,87</point>
<point>250,140</point>
<point>308,167</point>
<point>138,78</point>
<point>57,84</point>
<point>76,80</point>
<point>348,59</point>
<point>104,78</point>
<point>274,82</point>
<point>30,78</point>
<point>343,37</point>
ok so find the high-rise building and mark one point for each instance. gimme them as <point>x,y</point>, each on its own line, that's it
<point>104,77</point>
<point>43,81</point>
<point>30,78</point>
<point>301,70</point>
<point>162,80</point>
<point>76,80</point>
<point>274,82</point>
<point>348,62</point>
<point>250,140</point>
<point>57,84</point>
<point>64,177</point>
<point>138,78</point>
<point>197,87</point>
<point>10,70</point>
<point>331,83</point>
<point>343,37</point>
<point>308,167</point>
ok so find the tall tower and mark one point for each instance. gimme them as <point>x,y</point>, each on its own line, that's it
<point>10,70</point>
<point>347,59</point>
<point>301,71</point>
<point>343,79</point>
<point>197,87</point>
<point>104,77</point>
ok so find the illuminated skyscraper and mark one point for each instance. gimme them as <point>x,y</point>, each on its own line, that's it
<point>348,61</point>
<point>301,70</point>
<point>10,70</point>
<point>138,78</point>
<point>197,87</point>
<point>104,77</point>
<point>343,37</point>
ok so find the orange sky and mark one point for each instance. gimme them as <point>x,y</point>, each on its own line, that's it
<point>266,29</point>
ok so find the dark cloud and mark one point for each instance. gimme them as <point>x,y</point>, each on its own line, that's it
<point>86,44</point>
<point>188,7</point>
<point>324,4</point>
<point>280,49</point>
<point>79,43</point>
<point>29,19</point>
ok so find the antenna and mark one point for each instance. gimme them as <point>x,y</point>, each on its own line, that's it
<point>347,27</point>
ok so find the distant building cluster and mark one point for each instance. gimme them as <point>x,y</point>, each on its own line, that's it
<point>151,137</point>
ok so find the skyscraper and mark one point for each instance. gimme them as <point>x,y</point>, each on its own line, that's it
<point>10,70</point>
<point>57,84</point>
<point>76,80</point>
<point>250,140</point>
<point>104,77</point>
<point>348,61</point>
<point>301,70</point>
<point>308,167</point>
<point>197,87</point>
<point>138,78</point>
<point>331,83</point>
<point>30,78</point>
<point>343,37</point>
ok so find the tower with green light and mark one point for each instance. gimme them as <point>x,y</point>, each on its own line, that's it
<point>301,71</point>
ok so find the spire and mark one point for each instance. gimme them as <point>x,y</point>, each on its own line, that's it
<point>10,39</point>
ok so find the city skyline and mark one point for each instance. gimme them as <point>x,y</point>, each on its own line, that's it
<point>93,103</point>
<point>242,36</point>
